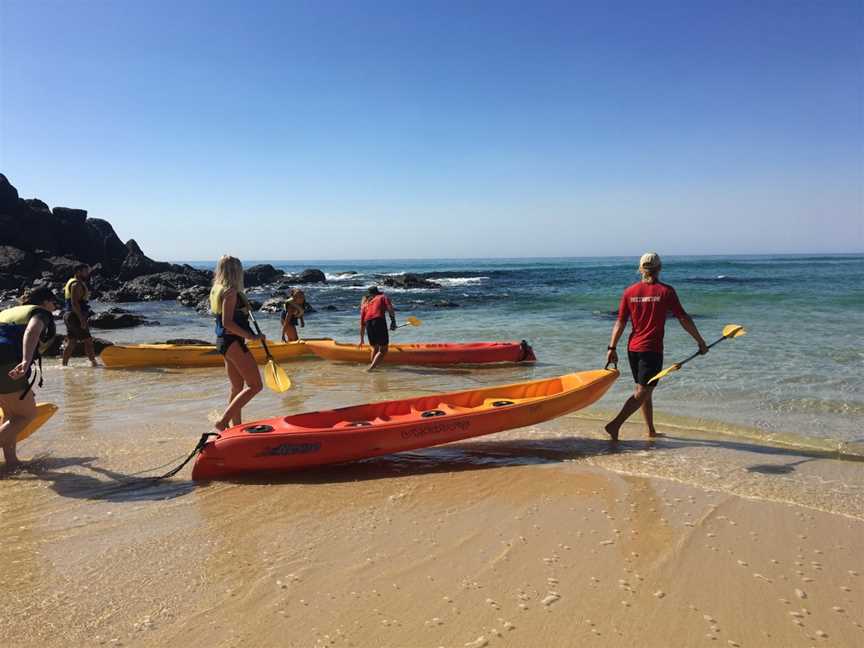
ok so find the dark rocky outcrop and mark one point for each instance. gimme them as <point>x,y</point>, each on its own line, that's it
<point>310,275</point>
<point>137,264</point>
<point>40,246</point>
<point>262,274</point>
<point>274,304</point>
<point>194,295</point>
<point>407,280</point>
<point>156,287</point>
<point>445,303</point>
<point>330,307</point>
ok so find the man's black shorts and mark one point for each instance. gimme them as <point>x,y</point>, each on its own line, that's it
<point>645,365</point>
<point>376,331</point>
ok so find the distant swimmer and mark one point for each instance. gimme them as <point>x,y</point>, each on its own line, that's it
<point>77,314</point>
<point>292,315</point>
<point>646,304</point>
<point>26,332</point>
<point>373,308</point>
<point>230,308</point>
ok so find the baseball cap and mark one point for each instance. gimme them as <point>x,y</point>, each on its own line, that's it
<point>650,261</point>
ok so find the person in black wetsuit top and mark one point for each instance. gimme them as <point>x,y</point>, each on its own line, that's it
<point>230,308</point>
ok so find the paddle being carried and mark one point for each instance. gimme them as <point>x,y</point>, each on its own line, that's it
<point>411,321</point>
<point>729,331</point>
<point>274,376</point>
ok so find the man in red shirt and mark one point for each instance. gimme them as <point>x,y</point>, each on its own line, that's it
<point>646,304</point>
<point>373,308</point>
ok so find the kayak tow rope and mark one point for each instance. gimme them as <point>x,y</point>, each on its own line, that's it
<point>198,447</point>
<point>135,479</point>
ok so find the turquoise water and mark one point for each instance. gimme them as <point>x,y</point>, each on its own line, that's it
<point>793,377</point>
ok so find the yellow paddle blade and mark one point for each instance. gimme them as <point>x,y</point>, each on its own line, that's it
<point>275,377</point>
<point>413,321</point>
<point>733,331</point>
<point>665,372</point>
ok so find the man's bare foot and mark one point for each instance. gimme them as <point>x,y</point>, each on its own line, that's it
<point>612,430</point>
<point>93,363</point>
<point>653,434</point>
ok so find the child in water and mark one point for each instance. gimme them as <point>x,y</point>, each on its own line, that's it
<point>292,313</point>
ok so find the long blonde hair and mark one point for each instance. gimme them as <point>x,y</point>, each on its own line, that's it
<point>229,273</point>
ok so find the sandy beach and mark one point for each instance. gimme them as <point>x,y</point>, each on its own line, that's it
<point>533,537</point>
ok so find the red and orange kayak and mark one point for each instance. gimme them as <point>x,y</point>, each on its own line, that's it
<point>428,354</point>
<point>361,431</point>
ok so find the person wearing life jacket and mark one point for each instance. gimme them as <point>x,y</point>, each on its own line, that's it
<point>646,304</point>
<point>77,313</point>
<point>26,331</point>
<point>292,314</point>
<point>230,308</point>
<point>373,308</point>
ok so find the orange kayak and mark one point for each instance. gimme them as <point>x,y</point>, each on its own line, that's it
<point>428,354</point>
<point>361,431</point>
<point>129,356</point>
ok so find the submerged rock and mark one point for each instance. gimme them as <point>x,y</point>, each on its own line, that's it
<point>311,275</point>
<point>56,347</point>
<point>407,280</point>
<point>117,318</point>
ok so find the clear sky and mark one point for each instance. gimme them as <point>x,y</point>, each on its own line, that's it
<point>382,129</point>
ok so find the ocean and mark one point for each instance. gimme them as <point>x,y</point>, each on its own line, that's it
<point>792,378</point>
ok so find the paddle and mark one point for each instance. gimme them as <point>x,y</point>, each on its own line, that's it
<point>274,376</point>
<point>411,321</point>
<point>729,331</point>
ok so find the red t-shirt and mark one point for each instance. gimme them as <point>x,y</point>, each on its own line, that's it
<point>646,305</point>
<point>375,308</point>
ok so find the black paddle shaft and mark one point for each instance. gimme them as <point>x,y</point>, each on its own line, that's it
<point>697,353</point>
<point>263,343</point>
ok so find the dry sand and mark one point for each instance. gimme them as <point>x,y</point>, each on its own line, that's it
<point>424,552</point>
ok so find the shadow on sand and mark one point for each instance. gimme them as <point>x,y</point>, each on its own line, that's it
<point>108,485</point>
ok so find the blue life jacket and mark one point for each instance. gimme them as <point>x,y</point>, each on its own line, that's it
<point>241,310</point>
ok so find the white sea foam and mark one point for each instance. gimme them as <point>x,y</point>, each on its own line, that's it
<point>460,281</point>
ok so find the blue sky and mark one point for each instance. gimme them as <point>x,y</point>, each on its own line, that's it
<point>437,129</point>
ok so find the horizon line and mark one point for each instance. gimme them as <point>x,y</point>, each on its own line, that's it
<point>531,258</point>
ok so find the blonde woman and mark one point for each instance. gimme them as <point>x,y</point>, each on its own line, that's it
<point>230,307</point>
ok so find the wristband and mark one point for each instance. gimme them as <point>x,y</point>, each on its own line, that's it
<point>610,348</point>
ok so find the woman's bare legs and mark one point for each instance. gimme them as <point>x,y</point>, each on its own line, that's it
<point>245,366</point>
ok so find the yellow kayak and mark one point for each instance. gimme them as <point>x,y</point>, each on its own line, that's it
<point>44,411</point>
<point>191,355</point>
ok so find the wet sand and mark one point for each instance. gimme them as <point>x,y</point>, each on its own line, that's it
<point>535,537</point>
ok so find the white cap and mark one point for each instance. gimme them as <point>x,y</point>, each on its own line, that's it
<point>650,261</point>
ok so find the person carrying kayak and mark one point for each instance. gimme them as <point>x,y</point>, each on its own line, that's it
<point>76,314</point>
<point>26,331</point>
<point>292,314</point>
<point>646,304</point>
<point>373,308</point>
<point>230,308</point>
